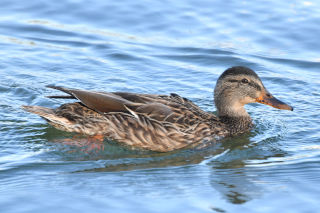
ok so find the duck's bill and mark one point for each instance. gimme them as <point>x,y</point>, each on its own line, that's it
<point>268,99</point>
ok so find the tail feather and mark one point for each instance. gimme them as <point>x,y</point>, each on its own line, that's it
<point>62,89</point>
<point>48,114</point>
<point>61,96</point>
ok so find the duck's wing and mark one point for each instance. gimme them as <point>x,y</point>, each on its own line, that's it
<point>97,101</point>
<point>154,122</point>
<point>106,102</point>
<point>170,108</point>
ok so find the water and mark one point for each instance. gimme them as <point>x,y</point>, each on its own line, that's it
<point>160,47</point>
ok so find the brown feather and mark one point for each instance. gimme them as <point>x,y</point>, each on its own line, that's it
<point>154,122</point>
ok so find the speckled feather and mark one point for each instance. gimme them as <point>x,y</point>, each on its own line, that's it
<point>154,122</point>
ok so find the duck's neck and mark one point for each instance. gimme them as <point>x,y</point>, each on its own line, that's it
<point>237,125</point>
<point>235,117</point>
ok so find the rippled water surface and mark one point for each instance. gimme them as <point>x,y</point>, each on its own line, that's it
<point>160,47</point>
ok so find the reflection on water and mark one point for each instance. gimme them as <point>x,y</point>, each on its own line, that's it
<point>235,186</point>
<point>226,160</point>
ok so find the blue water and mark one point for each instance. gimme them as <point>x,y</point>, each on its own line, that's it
<point>160,47</point>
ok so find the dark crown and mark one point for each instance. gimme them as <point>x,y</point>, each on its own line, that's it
<point>238,70</point>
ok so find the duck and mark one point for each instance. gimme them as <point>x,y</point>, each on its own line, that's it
<point>161,123</point>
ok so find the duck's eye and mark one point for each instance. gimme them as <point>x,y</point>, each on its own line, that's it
<point>244,81</point>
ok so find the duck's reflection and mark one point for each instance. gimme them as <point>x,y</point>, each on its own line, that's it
<point>235,185</point>
<point>233,178</point>
<point>226,162</point>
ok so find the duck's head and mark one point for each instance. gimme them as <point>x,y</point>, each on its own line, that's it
<point>238,86</point>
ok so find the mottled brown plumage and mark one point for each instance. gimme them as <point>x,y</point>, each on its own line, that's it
<point>160,122</point>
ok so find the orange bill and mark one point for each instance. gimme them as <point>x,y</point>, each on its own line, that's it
<point>268,99</point>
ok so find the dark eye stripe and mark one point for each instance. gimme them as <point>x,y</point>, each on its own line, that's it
<point>233,81</point>
<point>255,86</point>
<point>252,84</point>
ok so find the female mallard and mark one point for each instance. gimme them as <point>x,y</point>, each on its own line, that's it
<point>161,122</point>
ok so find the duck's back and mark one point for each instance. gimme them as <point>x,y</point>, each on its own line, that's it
<point>154,122</point>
